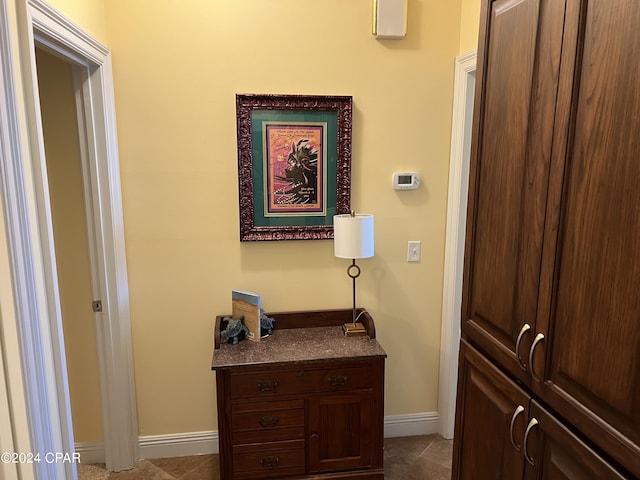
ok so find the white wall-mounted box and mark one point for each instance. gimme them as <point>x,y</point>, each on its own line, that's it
<point>390,18</point>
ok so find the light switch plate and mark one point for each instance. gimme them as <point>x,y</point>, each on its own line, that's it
<point>414,250</point>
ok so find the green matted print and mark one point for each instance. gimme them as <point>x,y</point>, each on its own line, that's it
<point>294,165</point>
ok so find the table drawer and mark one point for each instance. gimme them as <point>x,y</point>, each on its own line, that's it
<point>269,460</point>
<point>303,380</point>
<point>267,422</point>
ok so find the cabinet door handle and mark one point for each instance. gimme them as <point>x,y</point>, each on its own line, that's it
<point>517,413</point>
<point>271,421</point>
<point>337,380</point>
<point>525,328</point>
<point>535,343</point>
<point>269,462</point>
<point>268,386</point>
<point>525,442</point>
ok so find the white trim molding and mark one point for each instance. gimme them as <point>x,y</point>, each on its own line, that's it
<point>90,452</point>
<point>35,310</point>
<point>465,68</point>
<point>179,445</point>
<point>96,108</point>
<point>27,213</point>
<point>159,446</point>
<point>410,425</point>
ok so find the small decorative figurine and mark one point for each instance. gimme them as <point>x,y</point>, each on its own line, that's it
<point>236,330</point>
<point>266,324</point>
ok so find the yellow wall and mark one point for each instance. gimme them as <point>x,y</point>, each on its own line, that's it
<point>87,14</point>
<point>64,172</point>
<point>177,68</point>
<point>469,23</point>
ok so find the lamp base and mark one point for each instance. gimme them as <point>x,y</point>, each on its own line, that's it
<point>353,329</point>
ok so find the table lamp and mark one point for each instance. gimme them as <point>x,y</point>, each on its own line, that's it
<point>353,238</point>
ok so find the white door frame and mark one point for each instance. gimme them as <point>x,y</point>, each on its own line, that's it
<point>30,238</point>
<point>454,245</point>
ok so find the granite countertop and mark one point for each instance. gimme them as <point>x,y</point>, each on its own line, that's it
<point>296,345</point>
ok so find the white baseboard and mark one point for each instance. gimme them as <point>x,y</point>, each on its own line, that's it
<point>202,443</point>
<point>158,446</point>
<point>179,445</point>
<point>411,425</point>
<point>90,452</point>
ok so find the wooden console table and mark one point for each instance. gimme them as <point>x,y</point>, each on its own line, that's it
<point>305,402</point>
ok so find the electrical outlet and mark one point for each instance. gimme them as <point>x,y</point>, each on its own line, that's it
<point>413,251</point>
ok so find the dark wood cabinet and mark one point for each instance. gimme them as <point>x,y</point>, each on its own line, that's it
<point>555,453</point>
<point>590,300</point>
<point>491,411</point>
<point>509,173</point>
<point>503,433</point>
<point>306,402</point>
<point>552,259</point>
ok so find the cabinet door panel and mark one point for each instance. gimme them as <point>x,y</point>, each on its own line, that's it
<point>340,431</point>
<point>592,374</point>
<point>559,455</point>
<point>486,406</point>
<point>513,132</point>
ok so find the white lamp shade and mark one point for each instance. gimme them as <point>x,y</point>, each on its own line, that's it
<point>353,236</point>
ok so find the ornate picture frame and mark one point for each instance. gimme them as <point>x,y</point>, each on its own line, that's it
<point>294,165</point>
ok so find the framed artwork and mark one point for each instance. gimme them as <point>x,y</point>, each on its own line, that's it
<point>294,165</point>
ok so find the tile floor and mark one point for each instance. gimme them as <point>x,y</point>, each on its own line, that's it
<point>426,457</point>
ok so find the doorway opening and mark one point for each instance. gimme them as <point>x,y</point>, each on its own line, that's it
<point>464,88</point>
<point>28,213</point>
<point>72,252</point>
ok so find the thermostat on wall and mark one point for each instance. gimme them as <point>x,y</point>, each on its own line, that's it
<point>406,181</point>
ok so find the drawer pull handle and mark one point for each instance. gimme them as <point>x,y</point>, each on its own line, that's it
<point>270,462</point>
<point>268,386</point>
<point>525,442</point>
<point>269,421</point>
<point>525,328</point>
<point>536,341</point>
<point>517,412</point>
<point>337,380</point>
